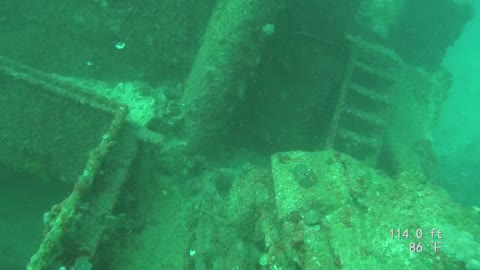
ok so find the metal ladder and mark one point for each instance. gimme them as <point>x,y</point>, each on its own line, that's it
<point>365,96</point>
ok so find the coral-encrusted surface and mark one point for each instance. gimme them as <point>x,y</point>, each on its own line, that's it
<point>349,214</point>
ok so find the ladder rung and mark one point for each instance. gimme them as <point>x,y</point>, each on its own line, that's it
<point>369,93</point>
<point>359,139</point>
<point>375,71</point>
<point>367,47</point>
<point>366,116</point>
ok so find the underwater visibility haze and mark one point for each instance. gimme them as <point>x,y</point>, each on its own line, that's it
<point>240,135</point>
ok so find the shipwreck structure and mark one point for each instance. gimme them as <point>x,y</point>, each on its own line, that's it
<point>229,134</point>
